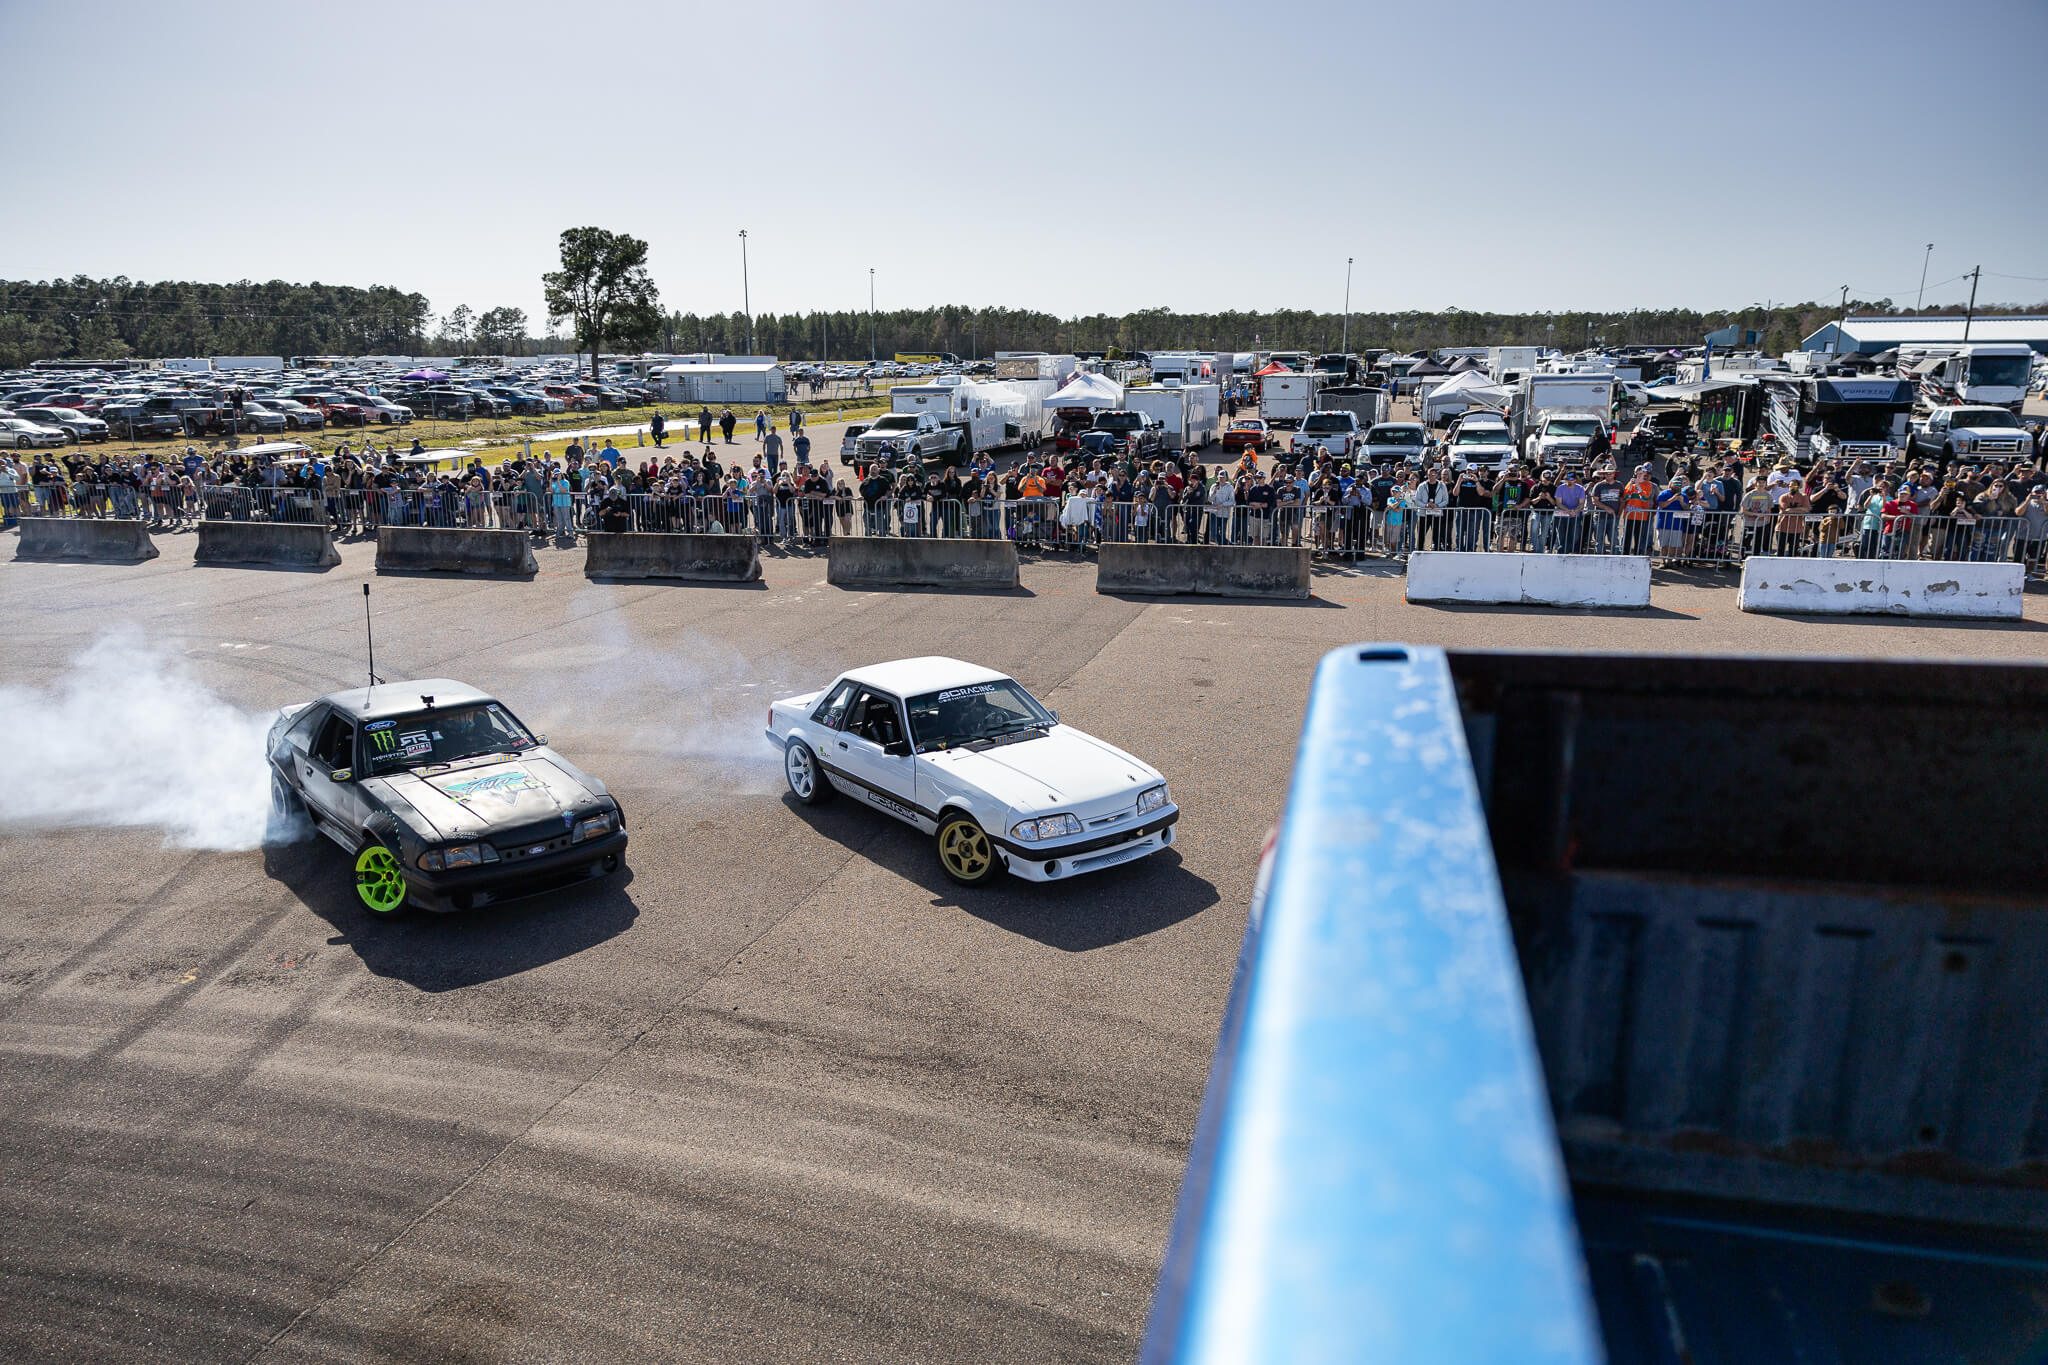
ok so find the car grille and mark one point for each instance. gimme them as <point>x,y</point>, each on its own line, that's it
<point>1998,444</point>
<point>531,848</point>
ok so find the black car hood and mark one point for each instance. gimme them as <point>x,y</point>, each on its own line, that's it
<point>487,798</point>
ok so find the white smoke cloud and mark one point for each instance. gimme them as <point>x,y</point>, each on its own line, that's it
<point>128,737</point>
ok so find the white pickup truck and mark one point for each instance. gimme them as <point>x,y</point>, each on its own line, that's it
<point>1337,432</point>
<point>1562,436</point>
<point>967,755</point>
<point>896,436</point>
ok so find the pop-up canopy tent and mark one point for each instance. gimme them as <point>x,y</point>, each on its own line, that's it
<point>1090,391</point>
<point>430,376</point>
<point>1461,393</point>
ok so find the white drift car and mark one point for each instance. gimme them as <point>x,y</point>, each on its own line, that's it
<point>968,755</point>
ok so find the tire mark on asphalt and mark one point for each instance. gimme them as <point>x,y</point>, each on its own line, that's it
<point>106,938</point>
<point>484,1167</point>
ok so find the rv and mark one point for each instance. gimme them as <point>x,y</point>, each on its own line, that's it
<point>1837,418</point>
<point>1990,375</point>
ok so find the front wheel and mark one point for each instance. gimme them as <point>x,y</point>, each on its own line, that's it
<point>380,881</point>
<point>807,783</point>
<point>965,853</point>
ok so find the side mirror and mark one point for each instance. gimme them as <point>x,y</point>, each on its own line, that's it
<point>899,748</point>
<point>1055,716</point>
<point>341,775</point>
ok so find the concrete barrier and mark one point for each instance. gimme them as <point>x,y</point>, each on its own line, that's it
<point>916,561</point>
<point>446,550</point>
<point>1529,580</point>
<point>663,554</point>
<point>279,544</point>
<point>1206,570</point>
<point>1881,587</point>
<point>95,540</point>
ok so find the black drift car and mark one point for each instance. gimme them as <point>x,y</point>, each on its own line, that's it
<point>442,797</point>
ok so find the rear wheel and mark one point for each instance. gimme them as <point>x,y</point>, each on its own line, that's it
<point>380,881</point>
<point>965,853</point>
<point>807,782</point>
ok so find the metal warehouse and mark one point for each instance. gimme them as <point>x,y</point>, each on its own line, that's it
<point>1872,336</point>
<point>756,383</point>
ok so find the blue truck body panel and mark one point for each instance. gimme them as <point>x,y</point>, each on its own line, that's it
<point>1635,1008</point>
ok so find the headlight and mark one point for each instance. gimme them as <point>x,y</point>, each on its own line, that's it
<point>1151,799</point>
<point>594,827</point>
<point>1050,827</point>
<point>462,855</point>
<point>1964,443</point>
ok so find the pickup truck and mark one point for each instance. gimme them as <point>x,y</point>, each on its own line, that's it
<point>1480,441</point>
<point>1133,433</point>
<point>896,437</point>
<point>1972,433</point>
<point>1562,436</point>
<point>1337,432</point>
<point>1534,1054</point>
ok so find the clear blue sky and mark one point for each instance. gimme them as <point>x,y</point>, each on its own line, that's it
<point>1075,158</point>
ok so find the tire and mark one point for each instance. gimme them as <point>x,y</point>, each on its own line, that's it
<point>965,853</point>
<point>807,781</point>
<point>286,809</point>
<point>380,881</point>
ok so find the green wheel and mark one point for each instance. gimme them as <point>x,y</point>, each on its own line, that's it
<point>380,881</point>
<point>965,853</point>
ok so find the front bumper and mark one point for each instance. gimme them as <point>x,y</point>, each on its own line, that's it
<point>495,883</point>
<point>1058,862</point>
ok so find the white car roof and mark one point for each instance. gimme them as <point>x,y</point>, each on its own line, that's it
<point>908,677</point>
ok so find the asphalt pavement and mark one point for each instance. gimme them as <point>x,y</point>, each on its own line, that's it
<point>779,1093</point>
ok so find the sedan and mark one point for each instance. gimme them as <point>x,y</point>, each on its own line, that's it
<point>384,410</point>
<point>442,798</point>
<point>75,425</point>
<point>22,434</point>
<point>1246,433</point>
<point>968,756</point>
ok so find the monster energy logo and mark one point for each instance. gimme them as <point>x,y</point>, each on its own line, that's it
<point>387,740</point>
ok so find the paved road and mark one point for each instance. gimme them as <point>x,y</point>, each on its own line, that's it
<point>783,1094</point>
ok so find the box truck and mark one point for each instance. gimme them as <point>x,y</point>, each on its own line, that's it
<point>1188,413</point>
<point>1284,399</point>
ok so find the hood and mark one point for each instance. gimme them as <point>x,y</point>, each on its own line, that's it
<point>1992,433</point>
<point>1066,770</point>
<point>470,801</point>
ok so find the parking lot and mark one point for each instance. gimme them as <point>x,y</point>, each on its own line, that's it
<point>781,1093</point>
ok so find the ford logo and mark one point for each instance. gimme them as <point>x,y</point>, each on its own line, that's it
<point>537,848</point>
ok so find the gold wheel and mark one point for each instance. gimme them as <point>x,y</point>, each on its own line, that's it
<point>964,850</point>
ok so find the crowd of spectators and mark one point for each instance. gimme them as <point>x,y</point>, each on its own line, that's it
<point>1700,505</point>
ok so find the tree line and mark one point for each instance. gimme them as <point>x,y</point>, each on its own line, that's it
<point>112,319</point>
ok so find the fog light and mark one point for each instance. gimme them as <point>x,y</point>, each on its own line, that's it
<point>1052,869</point>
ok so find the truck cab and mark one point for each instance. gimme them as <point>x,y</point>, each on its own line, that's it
<point>1979,433</point>
<point>1563,436</point>
<point>1334,431</point>
<point>898,437</point>
<point>1132,433</point>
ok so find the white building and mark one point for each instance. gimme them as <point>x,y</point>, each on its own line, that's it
<point>728,383</point>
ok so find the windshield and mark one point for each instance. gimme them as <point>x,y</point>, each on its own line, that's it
<point>1394,436</point>
<point>978,712</point>
<point>1317,421</point>
<point>1999,371</point>
<point>895,422</point>
<point>1983,417</point>
<point>1118,421</point>
<point>446,736</point>
<point>1481,436</point>
<point>1847,424</point>
<point>1575,426</point>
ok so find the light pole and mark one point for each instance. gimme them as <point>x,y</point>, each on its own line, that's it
<point>871,315</point>
<point>746,294</point>
<point>1922,291</point>
<point>1843,325</point>
<point>1347,305</point>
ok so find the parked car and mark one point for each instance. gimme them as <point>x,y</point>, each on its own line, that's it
<point>383,410</point>
<point>298,416</point>
<point>1246,433</point>
<point>1134,433</point>
<point>133,419</point>
<point>1979,432</point>
<point>575,400</point>
<point>488,404</point>
<point>1385,442</point>
<point>75,425</point>
<point>22,434</point>
<point>1335,431</point>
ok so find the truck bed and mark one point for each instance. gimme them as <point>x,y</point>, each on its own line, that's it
<point>1761,978</point>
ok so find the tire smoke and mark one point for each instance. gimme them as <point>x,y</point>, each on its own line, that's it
<point>127,737</point>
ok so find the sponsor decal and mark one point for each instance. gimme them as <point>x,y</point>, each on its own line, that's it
<point>895,808</point>
<point>503,787</point>
<point>384,742</point>
<point>974,691</point>
<point>382,724</point>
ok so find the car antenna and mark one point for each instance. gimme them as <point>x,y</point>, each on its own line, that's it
<point>370,635</point>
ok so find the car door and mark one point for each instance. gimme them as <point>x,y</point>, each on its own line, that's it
<point>887,781</point>
<point>333,748</point>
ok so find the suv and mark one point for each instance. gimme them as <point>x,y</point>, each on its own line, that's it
<point>1333,431</point>
<point>1133,433</point>
<point>1979,432</point>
